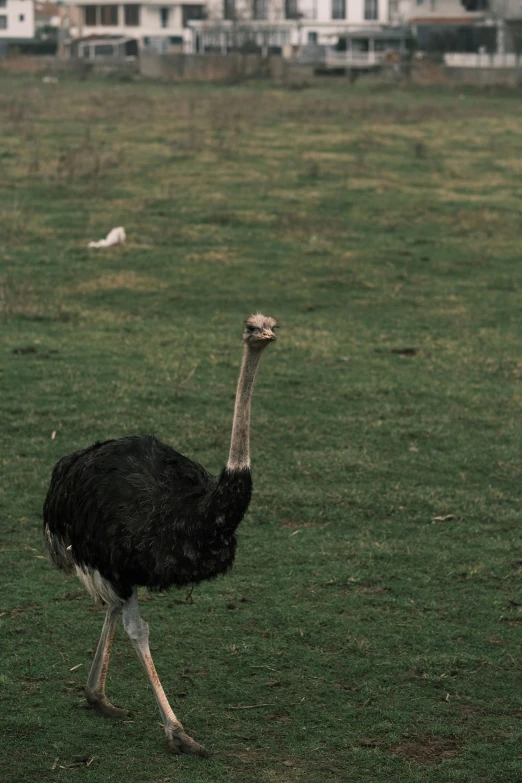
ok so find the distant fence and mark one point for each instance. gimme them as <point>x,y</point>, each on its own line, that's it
<point>478,69</point>
<point>486,70</point>
<point>484,60</point>
<point>59,66</point>
<point>334,59</point>
<point>208,67</point>
<point>163,67</point>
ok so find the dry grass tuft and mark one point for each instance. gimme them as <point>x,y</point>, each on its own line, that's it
<point>130,281</point>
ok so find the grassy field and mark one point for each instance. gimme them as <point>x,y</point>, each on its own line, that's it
<point>370,630</point>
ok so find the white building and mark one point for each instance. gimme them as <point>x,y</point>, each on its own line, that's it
<point>270,26</point>
<point>160,26</point>
<point>16,20</point>
<point>320,11</point>
<point>290,25</point>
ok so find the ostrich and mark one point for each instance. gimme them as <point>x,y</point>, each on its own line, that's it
<point>133,511</point>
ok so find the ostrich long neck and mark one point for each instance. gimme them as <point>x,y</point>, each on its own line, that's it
<point>239,457</point>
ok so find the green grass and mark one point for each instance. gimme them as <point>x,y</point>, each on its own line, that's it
<point>382,227</point>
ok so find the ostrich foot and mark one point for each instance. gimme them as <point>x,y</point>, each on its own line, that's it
<point>179,742</point>
<point>101,704</point>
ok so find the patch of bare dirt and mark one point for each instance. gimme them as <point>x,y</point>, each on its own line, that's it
<point>30,685</point>
<point>279,717</point>
<point>17,611</point>
<point>427,749</point>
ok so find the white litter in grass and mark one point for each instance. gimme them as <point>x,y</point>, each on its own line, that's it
<point>115,237</point>
<point>50,80</point>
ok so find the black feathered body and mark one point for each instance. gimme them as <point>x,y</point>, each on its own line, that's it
<point>139,513</point>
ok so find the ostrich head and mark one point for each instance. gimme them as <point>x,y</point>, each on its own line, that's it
<point>259,331</point>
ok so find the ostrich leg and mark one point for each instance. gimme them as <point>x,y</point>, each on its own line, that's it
<point>138,631</point>
<point>95,688</point>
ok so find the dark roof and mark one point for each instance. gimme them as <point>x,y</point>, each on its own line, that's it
<point>101,38</point>
<point>455,20</point>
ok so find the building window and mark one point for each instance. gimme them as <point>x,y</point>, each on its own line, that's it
<point>164,17</point>
<point>371,9</point>
<point>229,9</point>
<point>260,9</point>
<point>192,12</point>
<point>131,15</point>
<point>3,3</point>
<point>3,22</point>
<point>338,9</point>
<point>104,50</point>
<point>21,18</point>
<point>312,37</point>
<point>292,10</point>
<point>109,15</point>
<point>89,15</point>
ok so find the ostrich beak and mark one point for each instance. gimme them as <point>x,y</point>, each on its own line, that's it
<point>268,335</point>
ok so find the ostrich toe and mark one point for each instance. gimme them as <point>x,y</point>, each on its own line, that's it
<point>179,742</point>
<point>102,705</point>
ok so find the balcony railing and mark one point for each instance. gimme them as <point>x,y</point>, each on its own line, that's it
<point>464,60</point>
